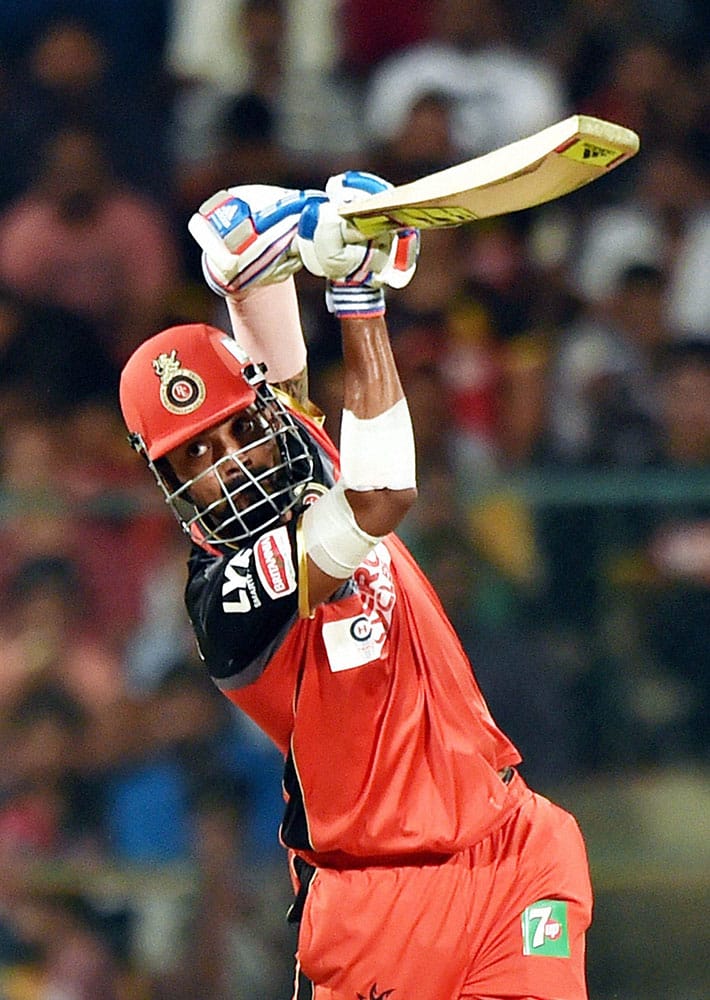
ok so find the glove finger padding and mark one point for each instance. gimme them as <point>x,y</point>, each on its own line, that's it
<point>403,256</point>
<point>401,245</point>
<point>323,247</point>
<point>328,250</point>
<point>354,185</point>
<point>247,235</point>
<point>330,247</point>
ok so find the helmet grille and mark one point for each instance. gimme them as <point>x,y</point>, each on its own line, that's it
<point>250,498</point>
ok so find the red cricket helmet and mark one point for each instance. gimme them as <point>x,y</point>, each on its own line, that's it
<point>180,382</point>
<point>188,379</point>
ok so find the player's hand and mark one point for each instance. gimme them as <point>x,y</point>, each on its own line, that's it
<point>247,235</point>
<point>357,268</point>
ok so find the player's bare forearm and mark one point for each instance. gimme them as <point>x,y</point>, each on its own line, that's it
<point>372,383</point>
<point>372,387</point>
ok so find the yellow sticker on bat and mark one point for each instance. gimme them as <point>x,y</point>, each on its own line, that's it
<point>418,217</point>
<point>591,153</point>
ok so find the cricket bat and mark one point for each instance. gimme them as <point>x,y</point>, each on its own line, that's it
<point>553,162</point>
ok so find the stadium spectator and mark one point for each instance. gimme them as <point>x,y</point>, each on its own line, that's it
<point>235,939</point>
<point>370,32</point>
<point>52,356</point>
<point>107,252</point>
<point>603,394</point>
<point>673,553</point>
<point>72,67</point>
<point>48,631</point>
<point>499,91</point>
<point>664,223</point>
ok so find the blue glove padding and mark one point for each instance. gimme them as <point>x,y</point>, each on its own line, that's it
<point>353,185</point>
<point>247,235</point>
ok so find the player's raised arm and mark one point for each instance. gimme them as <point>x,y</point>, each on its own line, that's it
<point>254,238</point>
<point>378,479</point>
<point>247,236</point>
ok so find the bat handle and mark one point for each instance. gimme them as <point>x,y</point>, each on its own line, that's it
<point>351,234</point>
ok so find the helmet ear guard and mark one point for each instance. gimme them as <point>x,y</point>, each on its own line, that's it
<point>137,443</point>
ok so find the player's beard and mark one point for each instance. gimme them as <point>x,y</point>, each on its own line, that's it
<point>249,502</point>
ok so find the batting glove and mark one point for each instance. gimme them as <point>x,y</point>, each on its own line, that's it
<point>247,235</point>
<point>357,268</point>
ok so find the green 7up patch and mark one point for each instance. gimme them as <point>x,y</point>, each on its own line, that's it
<point>545,931</point>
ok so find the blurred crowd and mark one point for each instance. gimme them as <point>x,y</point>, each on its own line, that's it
<point>557,365</point>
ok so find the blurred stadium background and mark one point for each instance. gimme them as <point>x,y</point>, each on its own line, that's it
<point>557,366</point>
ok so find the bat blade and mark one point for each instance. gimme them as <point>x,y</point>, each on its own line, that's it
<point>544,166</point>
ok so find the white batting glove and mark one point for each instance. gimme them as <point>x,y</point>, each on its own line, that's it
<point>401,245</point>
<point>247,235</point>
<point>357,268</point>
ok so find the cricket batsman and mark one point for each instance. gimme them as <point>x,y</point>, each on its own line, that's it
<point>424,867</point>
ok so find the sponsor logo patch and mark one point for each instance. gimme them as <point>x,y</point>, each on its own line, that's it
<point>228,215</point>
<point>238,589</point>
<point>360,639</point>
<point>544,928</point>
<point>353,642</point>
<point>274,563</point>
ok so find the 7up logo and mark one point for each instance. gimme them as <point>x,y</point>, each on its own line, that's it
<point>544,926</point>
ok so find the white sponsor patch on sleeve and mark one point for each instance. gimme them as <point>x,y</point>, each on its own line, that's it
<point>353,642</point>
<point>238,589</point>
<point>274,562</point>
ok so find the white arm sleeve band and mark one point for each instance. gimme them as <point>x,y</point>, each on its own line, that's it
<point>378,453</point>
<point>333,539</point>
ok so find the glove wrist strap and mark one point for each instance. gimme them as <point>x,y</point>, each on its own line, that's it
<point>354,301</point>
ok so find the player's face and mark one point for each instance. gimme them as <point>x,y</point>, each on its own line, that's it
<point>224,458</point>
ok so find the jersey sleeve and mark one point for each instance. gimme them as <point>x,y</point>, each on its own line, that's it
<point>242,604</point>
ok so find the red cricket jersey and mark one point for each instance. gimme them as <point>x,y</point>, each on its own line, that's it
<point>391,752</point>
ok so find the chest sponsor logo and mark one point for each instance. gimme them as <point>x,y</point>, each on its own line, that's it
<point>544,927</point>
<point>238,588</point>
<point>353,642</point>
<point>274,563</point>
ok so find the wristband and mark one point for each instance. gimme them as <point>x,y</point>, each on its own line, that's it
<point>378,453</point>
<point>354,301</point>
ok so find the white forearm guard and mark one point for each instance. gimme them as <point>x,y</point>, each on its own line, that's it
<point>333,539</point>
<point>378,453</point>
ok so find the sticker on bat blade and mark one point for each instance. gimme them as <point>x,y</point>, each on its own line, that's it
<point>417,216</point>
<point>591,153</point>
